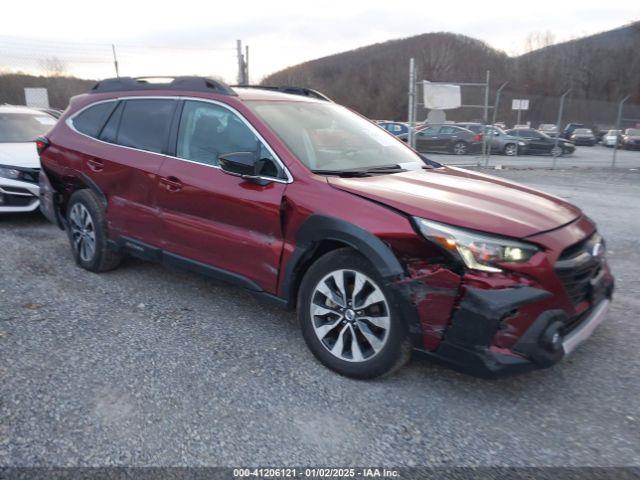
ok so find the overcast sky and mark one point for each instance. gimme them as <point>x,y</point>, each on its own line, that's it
<point>201,35</point>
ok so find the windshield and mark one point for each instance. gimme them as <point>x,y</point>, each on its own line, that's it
<point>633,131</point>
<point>326,136</point>
<point>23,127</point>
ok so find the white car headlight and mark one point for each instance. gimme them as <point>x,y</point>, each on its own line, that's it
<point>477,251</point>
<point>522,144</point>
<point>8,172</point>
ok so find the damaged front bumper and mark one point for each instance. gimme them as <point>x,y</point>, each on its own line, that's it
<point>468,343</point>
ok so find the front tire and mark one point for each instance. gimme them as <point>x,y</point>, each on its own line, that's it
<point>87,232</point>
<point>556,151</point>
<point>348,317</point>
<point>511,149</point>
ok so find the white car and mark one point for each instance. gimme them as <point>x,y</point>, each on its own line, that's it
<point>19,161</point>
<point>609,140</point>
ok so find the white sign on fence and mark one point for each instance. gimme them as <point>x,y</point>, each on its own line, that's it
<point>36,97</point>
<point>441,97</point>
<point>520,104</point>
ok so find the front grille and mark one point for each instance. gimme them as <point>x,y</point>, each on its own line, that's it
<point>578,265</point>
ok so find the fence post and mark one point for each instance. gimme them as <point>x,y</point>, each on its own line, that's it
<point>618,121</point>
<point>493,122</point>
<point>486,115</point>
<point>412,95</point>
<point>555,143</point>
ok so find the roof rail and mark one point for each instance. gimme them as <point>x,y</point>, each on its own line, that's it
<point>294,90</point>
<point>195,84</point>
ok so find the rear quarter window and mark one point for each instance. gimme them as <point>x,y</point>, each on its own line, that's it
<point>90,120</point>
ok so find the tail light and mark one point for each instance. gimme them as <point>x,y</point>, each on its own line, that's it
<point>477,137</point>
<point>41,144</point>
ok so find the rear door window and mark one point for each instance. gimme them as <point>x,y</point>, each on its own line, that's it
<point>145,124</point>
<point>91,120</point>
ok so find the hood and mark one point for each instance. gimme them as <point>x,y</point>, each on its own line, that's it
<point>19,155</point>
<point>465,199</point>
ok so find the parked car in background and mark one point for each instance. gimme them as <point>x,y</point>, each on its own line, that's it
<point>446,138</point>
<point>610,138</point>
<point>631,139</point>
<point>310,206</point>
<point>541,143</point>
<point>19,163</point>
<point>550,129</point>
<point>55,113</point>
<point>396,128</point>
<point>501,125</point>
<point>583,136</point>
<point>521,126</point>
<point>568,130</point>
<point>501,141</point>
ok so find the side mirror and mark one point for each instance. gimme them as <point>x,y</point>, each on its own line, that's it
<point>497,134</point>
<point>243,164</point>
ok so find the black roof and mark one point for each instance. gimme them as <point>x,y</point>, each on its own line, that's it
<point>195,84</point>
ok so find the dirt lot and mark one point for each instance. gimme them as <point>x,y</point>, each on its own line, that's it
<point>145,366</point>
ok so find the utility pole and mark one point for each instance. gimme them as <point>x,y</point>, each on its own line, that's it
<point>115,60</point>
<point>246,64</point>
<point>618,121</point>
<point>241,66</point>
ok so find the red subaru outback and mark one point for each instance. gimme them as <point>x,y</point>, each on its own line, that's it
<point>313,207</point>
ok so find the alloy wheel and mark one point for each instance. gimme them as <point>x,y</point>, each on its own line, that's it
<point>350,315</point>
<point>83,233</point>
<point>510,150</point>
<point>460,148</point>
<point>556,151</point>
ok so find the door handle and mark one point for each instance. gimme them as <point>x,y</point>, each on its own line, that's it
<point>95,164</point>
<point>172,184</point>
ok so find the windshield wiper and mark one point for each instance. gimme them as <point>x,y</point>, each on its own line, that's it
<point>343,173</point>
<point>362,172</point>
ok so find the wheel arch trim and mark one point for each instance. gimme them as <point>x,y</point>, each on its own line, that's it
<point>319,228</point>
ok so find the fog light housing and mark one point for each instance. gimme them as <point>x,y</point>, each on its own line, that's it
<point>552,337</point>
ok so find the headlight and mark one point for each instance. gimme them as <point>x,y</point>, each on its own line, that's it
<point>8,172</point>
<point>477,251</point>
<point>522,144</point>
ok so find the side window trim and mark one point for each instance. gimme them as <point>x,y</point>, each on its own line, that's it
<point>287,173</point>
<point>172,140</point>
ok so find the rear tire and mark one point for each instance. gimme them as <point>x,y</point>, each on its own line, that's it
<point>460,148</point>
<point>87,232</point>
<point>349,319</point>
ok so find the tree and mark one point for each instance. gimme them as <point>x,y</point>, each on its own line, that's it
<point>53,67</point>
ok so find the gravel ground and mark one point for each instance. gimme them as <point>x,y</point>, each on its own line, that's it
<point>144,366</point>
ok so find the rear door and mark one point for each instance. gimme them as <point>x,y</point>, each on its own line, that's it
<point>214,218</point>
<point>125,163</point>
